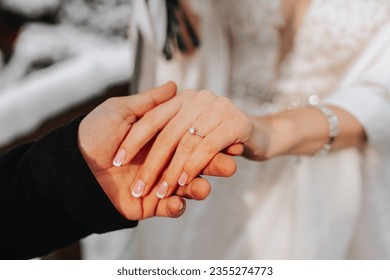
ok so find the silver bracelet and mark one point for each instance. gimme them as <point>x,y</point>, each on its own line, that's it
<point>333,123</point>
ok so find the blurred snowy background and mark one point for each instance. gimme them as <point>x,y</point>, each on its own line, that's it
<point>57,55</point>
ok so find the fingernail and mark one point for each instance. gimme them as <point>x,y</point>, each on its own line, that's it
<point>162,190</point>
<point>183,179</point>
<point>120,157</point>
<point>182,208</point>
<point>138,188</point>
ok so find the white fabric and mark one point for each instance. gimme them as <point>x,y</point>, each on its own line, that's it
<point>332,207</point>
<point>365,90</point>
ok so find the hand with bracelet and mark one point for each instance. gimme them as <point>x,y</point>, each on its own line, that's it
<point>193,127</point>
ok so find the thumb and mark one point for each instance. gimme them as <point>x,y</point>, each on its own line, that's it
<point>141,103</point>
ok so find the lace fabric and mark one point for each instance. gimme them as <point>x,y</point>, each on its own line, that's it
<point>313,67</point>
<point>252,29</point>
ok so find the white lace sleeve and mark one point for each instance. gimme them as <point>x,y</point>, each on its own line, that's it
<point>365,91</point>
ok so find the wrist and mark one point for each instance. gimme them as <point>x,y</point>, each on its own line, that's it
<point>284,135</point>
<point>272,136</point>
<point>300,132</point>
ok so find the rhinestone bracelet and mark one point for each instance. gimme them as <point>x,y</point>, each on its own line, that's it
<point>333,123</point>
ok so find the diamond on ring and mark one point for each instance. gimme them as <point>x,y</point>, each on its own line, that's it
<point>193,131</point>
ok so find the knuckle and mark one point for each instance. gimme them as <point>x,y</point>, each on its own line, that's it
<point>242,123</point>
<point>241,116</point>
<point>186,95</point>
<point>225,100</point>
<point>150,118</point>
<point>186,145</point>
<point>210,148</point>
<point>225,103</point>
<point>115,107</point>
<point>204,94</point>
<point>111,101</point>
<point>151,100</point>
<point>164,139</point>
<point>188,92</point>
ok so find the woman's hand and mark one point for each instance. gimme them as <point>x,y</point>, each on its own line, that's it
<point>193,127</point>
<point>102,132</point>
<point>217,126</point>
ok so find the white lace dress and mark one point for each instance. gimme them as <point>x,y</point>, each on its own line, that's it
<point>291,207</point>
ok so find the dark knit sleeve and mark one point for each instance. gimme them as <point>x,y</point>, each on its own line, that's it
<point>49,198</point>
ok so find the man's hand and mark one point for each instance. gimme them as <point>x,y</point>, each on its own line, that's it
<point>101,134</point>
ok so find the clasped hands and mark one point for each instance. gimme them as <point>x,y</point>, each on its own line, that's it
<point>147,150</point>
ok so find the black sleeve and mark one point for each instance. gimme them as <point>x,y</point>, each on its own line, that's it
<point>49,198</point>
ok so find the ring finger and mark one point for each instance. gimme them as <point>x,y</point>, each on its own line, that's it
<point>188,144</point>
<point>165,145</point>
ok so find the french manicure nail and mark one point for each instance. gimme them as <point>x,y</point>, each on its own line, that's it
<point>162,190</point>
<point>183,179</point>
<point>138,189</point>
<point>119,158</point>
